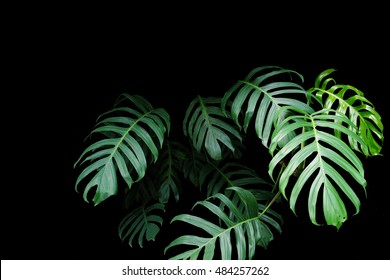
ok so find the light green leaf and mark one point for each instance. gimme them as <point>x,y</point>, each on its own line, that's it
<point>350,101</point>
<point>323,157</point>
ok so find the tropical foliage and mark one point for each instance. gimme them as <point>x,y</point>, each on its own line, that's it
<point>317,139</point>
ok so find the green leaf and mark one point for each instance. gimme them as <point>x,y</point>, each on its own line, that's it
<point>192,165</point>
<point>168,170</point>
<point>242,227</point>
<point>216,179</point>
<point>127,140</point>
<point>323,156</point>
<point>142,222</point>
<point>207,127</point>
<point>350,101</point>
<point>262,96</point>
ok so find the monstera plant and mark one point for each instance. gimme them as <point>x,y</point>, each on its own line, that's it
<point>316,139</point>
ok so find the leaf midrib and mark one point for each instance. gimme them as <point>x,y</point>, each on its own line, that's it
<point>121,139</point>
<point>318,145</point>
<point>228,229</point>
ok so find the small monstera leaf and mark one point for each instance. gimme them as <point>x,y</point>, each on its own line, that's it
<point>322,157</point>
<point>168,170</point>
<point>350,101</point>
<point>216,179</point>
<point>243,228</point>
<point>206,126</point>
<point>143,222</point>
<point>263,95</point>
<point>192,165</point>
<point>129,135</point>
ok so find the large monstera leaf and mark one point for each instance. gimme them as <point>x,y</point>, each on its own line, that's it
<point>323,160</point>
<point>206,126</point>
<point>129,136</point>
<point>350,101</point>
<point>241,227</point>
<point>262,93</point>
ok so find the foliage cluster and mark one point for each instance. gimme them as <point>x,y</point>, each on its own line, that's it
<point>316,138</point>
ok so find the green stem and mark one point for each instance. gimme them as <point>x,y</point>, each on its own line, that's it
<point>270,203</point>
<point>276,195</point>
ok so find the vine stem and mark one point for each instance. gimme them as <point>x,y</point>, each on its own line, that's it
<point>275,196</point>
<point>270,203</point>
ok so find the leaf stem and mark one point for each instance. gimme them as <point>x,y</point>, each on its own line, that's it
<point>269,204</point>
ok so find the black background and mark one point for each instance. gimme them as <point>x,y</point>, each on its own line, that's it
<point>64,72</point>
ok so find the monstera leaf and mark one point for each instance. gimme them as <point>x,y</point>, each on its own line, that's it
<point>324,157</point>
<point>168,170</point>
<point>206,126</point>
<point>143,222</point>
<point>128,135</point>
<point>263,96</point>
<point>243,226</point>
<point>192,165</point>
<point>350,101</point>
<point>215,179</point>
